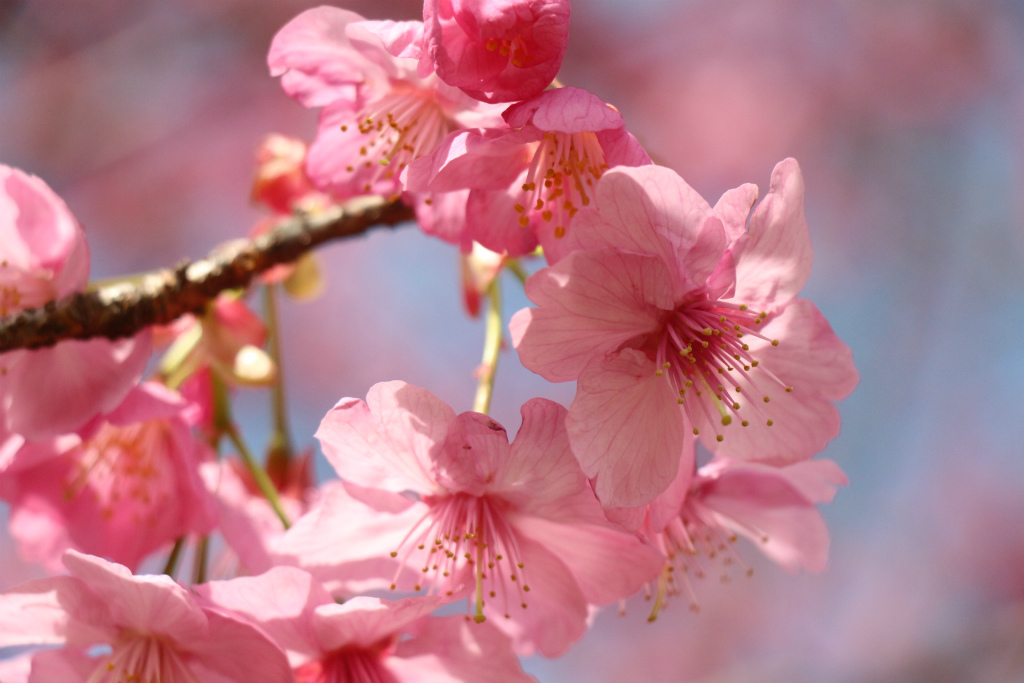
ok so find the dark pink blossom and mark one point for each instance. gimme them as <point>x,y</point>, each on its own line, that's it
<point>497,50</point>
<point>124,489</point>
<point>673,317</point>
<point>43,257</point>
<point>379,112</point>
<point>530,178</point>
<point>518,523</point>
<point>365,640</point>
<point>152,630</point>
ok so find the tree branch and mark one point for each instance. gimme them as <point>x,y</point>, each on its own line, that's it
<point>124,309</point>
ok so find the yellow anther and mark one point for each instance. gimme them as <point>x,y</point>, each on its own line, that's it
<point>775,342</point>
<point>726,420</point>
<point>767,399</point>
<point>771,422</point>
<point>745,423</point>
<point>696,432</point>
<point>719,437</point>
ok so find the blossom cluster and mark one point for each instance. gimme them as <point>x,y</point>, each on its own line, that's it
<point>704,388</point>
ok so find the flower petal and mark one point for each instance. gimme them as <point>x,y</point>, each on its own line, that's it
<point>774,262</point>
<point>591,303</point>
<point>626,428</point>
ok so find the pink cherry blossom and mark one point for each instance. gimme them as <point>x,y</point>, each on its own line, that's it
<point>379,112</point>
<point>698,519</point>
<point>517,522</point>
<point>44,256</point>
<point>153,630</point>
<point>365,639</point>
<point>530,178</point>
<point>673,317</point>
<point>497,50</point>
<point>123,490</point>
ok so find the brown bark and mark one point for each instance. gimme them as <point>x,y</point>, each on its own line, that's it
<point>162,296</point>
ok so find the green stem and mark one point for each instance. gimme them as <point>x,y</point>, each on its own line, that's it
<point>259,475</point>
<point>492,345</point>
<point>280,441</point>
<point>515,266</point>
<point>199,561</point>
<point>172,561</point>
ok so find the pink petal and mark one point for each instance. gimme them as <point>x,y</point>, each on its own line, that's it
<point>775,261</point>
<point>400,38</point>
<point>316,60</point>
<point>809,358</point>
<point>565,110</point>
<point>734,209</point>
<point>491,220</point>
<point>48,611</point>
<point>154,604</point>
<point>346,545</point>
<point>66,666</point>
<point>364,621</point>
<point>485,159</point>
<point>556,612</point>
<point>591,303</point>
<point>282,602</point>
<point>451,650</point>
<point>390,442</point>
<point>541,475</point>
<point>622,149</point>
<point>626,429</point>
<point>761,503</point>
<point>236,650</point>
<point>608,563</point>
<point>669,502</point>
<point>82,379</point>
<point>38,232</point>
<point>651,210</point>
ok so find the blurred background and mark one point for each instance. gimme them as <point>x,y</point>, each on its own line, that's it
<point>907,117</point>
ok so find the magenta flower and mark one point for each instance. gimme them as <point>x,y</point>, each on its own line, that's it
<point>673,317</point>
<point>44,256</point>
<point>698,519</point>
<point>379,113</point>
<point>517,523</point>
<point>152,630</point>
<point>530,178</point>
<point>497,50</point>
<point>365,639</point>
<point>123,490</point>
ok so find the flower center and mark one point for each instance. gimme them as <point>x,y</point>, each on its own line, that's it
<point>469,531</point>
<point>348,665</point>
<point>402,126</point>
<point>137,658</point>
<point>126,469</point>
<point>516,49</point>
<point>704,353</point>
<point>693,545</point>
<point>561,178</point>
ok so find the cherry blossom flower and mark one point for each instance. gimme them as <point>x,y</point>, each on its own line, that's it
<point>379,112</point>
<point>530,178</point>
<point>673,317</point>
<point>497,51</point>
<point>365,639</point>
<point>122,490</point>
<point>519,523</point>
<point>117,627</point>
<point>696,521</point>
<point>43,257</point>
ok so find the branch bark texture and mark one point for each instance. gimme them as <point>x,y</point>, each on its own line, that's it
<point>160,297</point>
